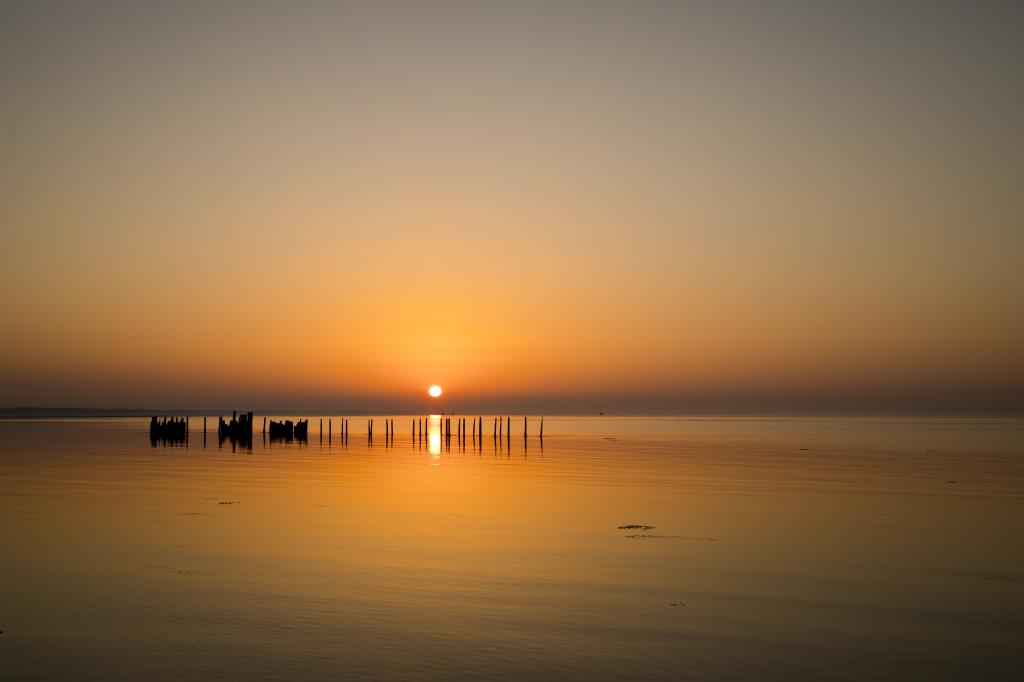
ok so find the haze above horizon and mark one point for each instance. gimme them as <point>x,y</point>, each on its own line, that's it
<point>568,206</point>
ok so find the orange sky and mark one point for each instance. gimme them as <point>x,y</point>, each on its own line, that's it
<point>580,205</point>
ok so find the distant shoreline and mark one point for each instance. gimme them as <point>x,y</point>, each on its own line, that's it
<point>128,413</point>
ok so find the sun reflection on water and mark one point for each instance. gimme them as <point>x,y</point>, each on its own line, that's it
<point>434,438</point>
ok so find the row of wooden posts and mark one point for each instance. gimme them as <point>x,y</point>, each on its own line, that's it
<point>502,427</point>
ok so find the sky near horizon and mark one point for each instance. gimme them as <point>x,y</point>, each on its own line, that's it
<point>641,206</point>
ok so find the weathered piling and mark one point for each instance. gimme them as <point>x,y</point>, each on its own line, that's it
<point>508,428</point>
<point>264,425</point>
<point>542,428</point>
<point>204,425</point>
<point>495,427</point>
<point>501,427</point>
<point>524,426</point>
<point>288,429</point>
<point>167,429</point>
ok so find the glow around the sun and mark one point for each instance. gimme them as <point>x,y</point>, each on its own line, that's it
<point>434,391</point>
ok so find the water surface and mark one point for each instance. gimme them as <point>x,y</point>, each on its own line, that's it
<point>778,548</point>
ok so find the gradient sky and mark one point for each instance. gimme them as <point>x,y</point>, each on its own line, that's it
<point>642,206</point>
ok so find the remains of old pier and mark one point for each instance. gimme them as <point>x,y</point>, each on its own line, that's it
<point>168,429</point>
<point>240,428</point>
<point>289,429</point>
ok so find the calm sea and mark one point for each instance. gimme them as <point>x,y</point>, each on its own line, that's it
<point>774,548</point>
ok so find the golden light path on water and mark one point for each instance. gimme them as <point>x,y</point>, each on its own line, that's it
<point>434,438</point>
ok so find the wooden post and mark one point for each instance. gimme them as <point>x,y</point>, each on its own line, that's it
<point>524,426</point>
<point>542,428</point>
<point>508,428</point>
<point>501,427</point>
<point>264,425</point>
<point>495,427</point>
<point>204,425</point>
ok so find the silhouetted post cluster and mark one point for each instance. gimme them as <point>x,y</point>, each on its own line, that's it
<point>239,429</point>
<point>168,429</point>
<point>389,431</point>
<point>288,429</point>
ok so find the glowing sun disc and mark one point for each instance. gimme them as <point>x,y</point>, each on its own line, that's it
<point>434,391</point>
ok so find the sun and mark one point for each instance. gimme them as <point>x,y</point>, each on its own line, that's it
<point>434,391</point>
